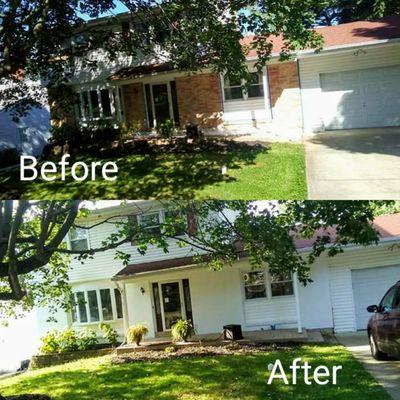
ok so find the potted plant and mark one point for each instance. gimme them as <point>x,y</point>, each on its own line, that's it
<point>135,333</point>
<point>182,330</point>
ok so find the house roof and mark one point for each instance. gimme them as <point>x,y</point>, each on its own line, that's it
<point>388,226</point>
<point>352,33</point>
<point>345,34</point>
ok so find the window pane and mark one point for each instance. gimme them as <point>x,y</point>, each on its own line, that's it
<point>95,104</point>
<point>118,303</point>
<point>387,301</point>
<point>78,239</point>
<point>256,91</point>
<point>396,304</point>
<point>254,278</point>
<point>106,304</point>
<point>151,223</point>
<point>287,276</point>
<point>255,291</point>
<point>282,289</point>
<point>80,298</point>
<point>255,78</point>
<point>73,308</point>
<point>86,108</point>
<point>93,306</point>
<point>232,82</point>
<point>233,93</point>
<point>105,102</point>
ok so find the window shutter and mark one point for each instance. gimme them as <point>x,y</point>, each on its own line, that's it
<point>192,223</point>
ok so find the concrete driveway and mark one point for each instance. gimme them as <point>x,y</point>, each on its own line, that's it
<point>387,373</point>
<point>354,164</point>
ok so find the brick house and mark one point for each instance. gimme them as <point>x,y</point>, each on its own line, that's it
<point>354,82</point>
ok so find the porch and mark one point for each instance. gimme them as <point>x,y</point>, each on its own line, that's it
<point>250,338</point>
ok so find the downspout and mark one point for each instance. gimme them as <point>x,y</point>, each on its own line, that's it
<point>297,299</point>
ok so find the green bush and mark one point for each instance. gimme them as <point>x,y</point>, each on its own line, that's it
<point>166,129</point>
<point>68,341</point>
<point>9,156</point>
<point>87,339</point>
<point>50,343</point>
<point>182,330</point>
<point>110,335</point>
<point>135,333</point>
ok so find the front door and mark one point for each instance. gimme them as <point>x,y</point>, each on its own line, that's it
<point>172,305</point>
<point>161,103</point>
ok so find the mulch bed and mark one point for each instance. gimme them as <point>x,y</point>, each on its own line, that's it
<point>196,351</point>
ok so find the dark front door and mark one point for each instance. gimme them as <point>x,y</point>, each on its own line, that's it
<point>171,299</point>
<point>161,103</point>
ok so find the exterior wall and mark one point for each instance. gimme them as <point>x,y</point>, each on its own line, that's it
<point>315,302</point>
<point>134,103</point>
<point>340,280</point>
<point>285,99</point>
<point>218,299</point>
<point>346,60</point>
<point>199,100</point>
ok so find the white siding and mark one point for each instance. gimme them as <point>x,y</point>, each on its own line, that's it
<point>311,67</point>
<point>279,311</point>
<point>245,111</point>
<point>340,280</point>
<point>103,265</point>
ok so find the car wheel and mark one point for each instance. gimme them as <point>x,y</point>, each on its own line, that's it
<point>376,353</point>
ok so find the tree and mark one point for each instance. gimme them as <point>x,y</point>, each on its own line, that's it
<point>342,11</point>
<point>42,39</point>
<point>34,259</point>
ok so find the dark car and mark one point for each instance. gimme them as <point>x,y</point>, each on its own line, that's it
<point>384,325</point>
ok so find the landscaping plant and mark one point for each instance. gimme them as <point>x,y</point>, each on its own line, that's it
<point>182,330</point>
<point>50,343</point>
<point>110,335</point>
<point>166,129</point>
<point>87,339</point>
<point>135,333</point>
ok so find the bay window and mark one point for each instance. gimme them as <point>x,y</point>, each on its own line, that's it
<point>96,305</point>
<point>236,89</point>
<point>100,104</point>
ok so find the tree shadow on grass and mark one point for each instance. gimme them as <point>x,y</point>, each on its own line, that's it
<point>208,378</point>
<point>168,171</point>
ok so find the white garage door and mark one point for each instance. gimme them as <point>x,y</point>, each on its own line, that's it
<point>362,98</point>
<point>369,286</point>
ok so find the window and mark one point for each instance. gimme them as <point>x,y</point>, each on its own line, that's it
<point>254,285</point>
<point>93,306</point>
<point>388,300</point>
<point>396,303</point>
<point>237,89</point>
<point>78,239</point>
<point>96,305</point>
<point>281,285</point>
<point>82,312</point>
<point>151,223</point>
<point>106,305</point>
<point>99,104</point>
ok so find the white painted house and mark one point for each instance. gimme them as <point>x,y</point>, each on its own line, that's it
<point>158,288</point>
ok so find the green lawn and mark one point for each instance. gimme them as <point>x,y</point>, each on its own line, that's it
<point>208,378</point>
<point>254,172</point>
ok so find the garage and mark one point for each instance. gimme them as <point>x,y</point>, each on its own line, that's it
<point>369,287</point>
<point>362,98</point>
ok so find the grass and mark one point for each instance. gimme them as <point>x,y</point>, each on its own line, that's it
<point>210,378</point>
<point>254,172</point>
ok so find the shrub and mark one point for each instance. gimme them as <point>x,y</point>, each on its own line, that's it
<point>50,343</point>
<point>67,341</point>
<point>182,330</point>
<point>87,339</point>
<point>135,333</point>
<point>110,335</point>
<point>166,129</point>
<point>9,156</point>
<point>170,349</point>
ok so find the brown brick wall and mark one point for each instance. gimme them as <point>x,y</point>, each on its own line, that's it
<point>282,76</point>
<point>199,100</point>
<point>133,97</point>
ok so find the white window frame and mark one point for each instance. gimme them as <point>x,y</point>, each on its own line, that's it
<point>161,217</point>
<point>116,106</point>
<point>101,318</point>
<point>70,240</point>
<point>245,93</point>
<point>268,285</point>
<point>283,281</point>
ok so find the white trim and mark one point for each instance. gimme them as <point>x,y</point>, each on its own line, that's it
<point>297,299</point>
